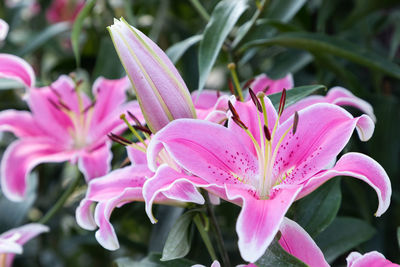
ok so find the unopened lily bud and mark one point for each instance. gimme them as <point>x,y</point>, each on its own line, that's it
<point>160,90</point>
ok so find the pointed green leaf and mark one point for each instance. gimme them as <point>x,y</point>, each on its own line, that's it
<point>284,10</point>
<point>176,51</point>
<point>343,234</point>
<point>316,211</point>
<point>179,238</point>
<point>43,37</point>
<point>295,94</point>
<point>321,43</point>
<point>223,18</point>
<point>77,29</point>
<point>152,260</point>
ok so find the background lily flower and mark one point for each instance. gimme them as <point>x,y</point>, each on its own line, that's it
<point>13,67</point>
<point>64,124</point>
<point>262,83</point>
<point>160,90</point>
<point>123,186</point>
<point>3,30</point>
<point>11,242</point>
<point>373,259</point>
<point>64,10</point>
<point>265,164</point>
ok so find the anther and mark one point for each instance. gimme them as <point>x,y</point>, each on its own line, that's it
<point>233,110</point>
<point>267,133</point>
<point>133,117</point>
<point>119,139</point>
<point>266,89</point>
<point>282,102</point>
<point>230,86</point>
<point>89,107</point>
<point>248,83</point>
<point>295,122</point>
<point>218,94</point>
<point>255,100</point>
<point>239,122</point>
<point>142,128</point>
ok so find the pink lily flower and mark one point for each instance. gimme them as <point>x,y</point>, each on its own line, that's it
<point>160,90</point>
<point>265,164</point>
<point>64,10</point>
<point>262,83</point>
<point>371,259</point>
<point>3,30</point>
<point>123,186</point>
<point>63,125</point>
<point>11,242</point>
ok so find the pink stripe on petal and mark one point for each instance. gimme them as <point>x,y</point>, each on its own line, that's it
<point>259,220</point>
<point>13,67</point>
<point>3,30</point>
<point>20,123</point>
<point>21,157</point>
<point>359,166</point>
<point>297,242</point>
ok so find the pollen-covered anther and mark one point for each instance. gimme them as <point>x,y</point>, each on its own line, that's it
<point>247,84</point>
<point>233,110</point>
<point>295,122</point>
<point>282,102</point>
<point>267,133</point>
<point>255,100</point>
<point>142,128</point>
<point>119,139</point>
<point>239,122</point>
<point>231,88</point>
<point>134,118</point>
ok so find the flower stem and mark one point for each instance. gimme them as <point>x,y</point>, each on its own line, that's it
<point>217,231</point>
<point>61,201</point>
<point>200,9</point>
<point>205,237</point>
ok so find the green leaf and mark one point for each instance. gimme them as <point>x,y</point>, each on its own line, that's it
<point>43,37</point>
<point>321,43</point>
<point>284,10</point>
<point>107,61</point>
<point>223,18</point>
<point>398,236</point>
<point>152,260</point>
<point>295,94</point>
<point>289,62</point>
<point>316,211</point>
<point>179,238</point>
<point>176,51</point>
<point>77,29</point>
<point>342,235</point>
<point>276,256</point>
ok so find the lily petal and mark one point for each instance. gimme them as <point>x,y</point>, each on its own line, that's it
<point>323,131</point>
<point>27,153</point>
<point>13,67</point>
<point>359,166</point>
<point>259,220</point>
<point>297,242</point>
<point>262,83</point>
<point>207,149</point>
<point>20,123</point>
<point>173,185</point>
<point>95,163</point>
<point>84,215</point>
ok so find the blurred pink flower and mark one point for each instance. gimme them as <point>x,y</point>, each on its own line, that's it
<point>63,125</point>
<point>3,30</point>
<point>64,10</point>
<point>264,164</point>
<point>11,242</point>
